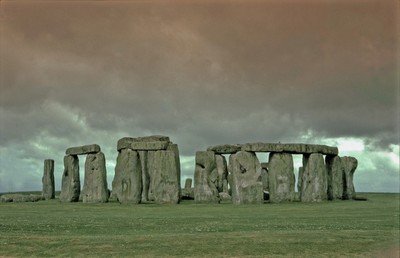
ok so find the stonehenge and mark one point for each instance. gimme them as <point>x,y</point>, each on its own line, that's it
<point>147,169</point>
<point>95,184</point>
<point>48,191</point>
<point>318,179</point>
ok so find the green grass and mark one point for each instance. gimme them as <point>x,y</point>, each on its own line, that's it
<point>340,228</point>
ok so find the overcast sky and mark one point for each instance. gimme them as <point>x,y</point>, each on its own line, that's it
<point>201,72</point>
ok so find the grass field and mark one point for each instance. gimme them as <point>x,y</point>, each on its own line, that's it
<point>340,228</point>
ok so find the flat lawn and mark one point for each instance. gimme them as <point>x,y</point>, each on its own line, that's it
<point>339,228</point>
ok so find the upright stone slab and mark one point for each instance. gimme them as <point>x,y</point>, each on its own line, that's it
<point>174,147</point>
<point>127,183</point>
<point>145,175</point>
<point>48,191</point>
<point>245,172</point>
<point>335,170</point>
<point>300,179</point>
<point>281,177</point>
<point>222,170</point>
<point>95,185</point>
<point>264,176</point>
<point>71,184</point>
<point>350,165</point>
<point>314,181</point>
<point>188,191</point>
<point>188,183</point>
<point>163,170</point>
<point>206,178</point>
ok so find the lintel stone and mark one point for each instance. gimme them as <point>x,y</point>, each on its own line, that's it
<point>81,150</point>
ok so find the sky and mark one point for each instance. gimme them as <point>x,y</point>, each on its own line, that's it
<point>202,72</point>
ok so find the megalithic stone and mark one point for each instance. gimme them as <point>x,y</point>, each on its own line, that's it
<point>264,176</point>
<point>335,170</point>
<point>350,165</point>
<point>71,184</point>
<point>222,170</point>
<point>174,147</point>
<point>145,175</point>
<point>95,185</point>
<point>281,177</point>
<point>127,183</point>
<point>300,179</point>
<point>163,170</point>
<point>205,178</point>
<point>188,183</point>
<point>314,181</point>
<point>245,172</point>
<point>48,180</point>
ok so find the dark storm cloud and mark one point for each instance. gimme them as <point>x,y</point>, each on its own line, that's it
<point>202,72</point>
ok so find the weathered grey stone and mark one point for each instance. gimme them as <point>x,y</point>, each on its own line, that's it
<point>335,170</point>
<point>174,147</point>
<point>127,183</point>
<point>205,178</point>
<point>188,183</point>
<point>300,179</point>
<point>20,198</point>
<point>149,146</point>
<point>281,177</point>
<point>222,170</point>
<point>350,165</point>
<point>95,184</point>
<point>264,176</point>
<point>225,197</point>
<point>126,142</point>
<point>145,175</point>
<point>152,138</point>
<point>48,191</point>
<point>163,170</point>
<point>187,193</point>
<point>81,150</point>
<point>296,148</point>
<point>245,172</point>
<point>225,148</point>
<point>71,184</point>
<point>314,180</point>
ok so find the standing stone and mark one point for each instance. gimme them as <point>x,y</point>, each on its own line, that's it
<point>174,147</point>
<point>71,184</point>
<point>281,177</point>
<point>350,165</point>
<point>188,191</point>
<point>163,170</point>
<point>145,175</point>
<point>95,184</point>
<point>205,178</point>
<point>48,180</point>
<point>335,170</point>
<point>300,179</point>
<point>222,170</point>
<point>188,183</point>
<point>314,181</point>
<point>127,183</point>
<point>264,176</point>
<point>245,172</point>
